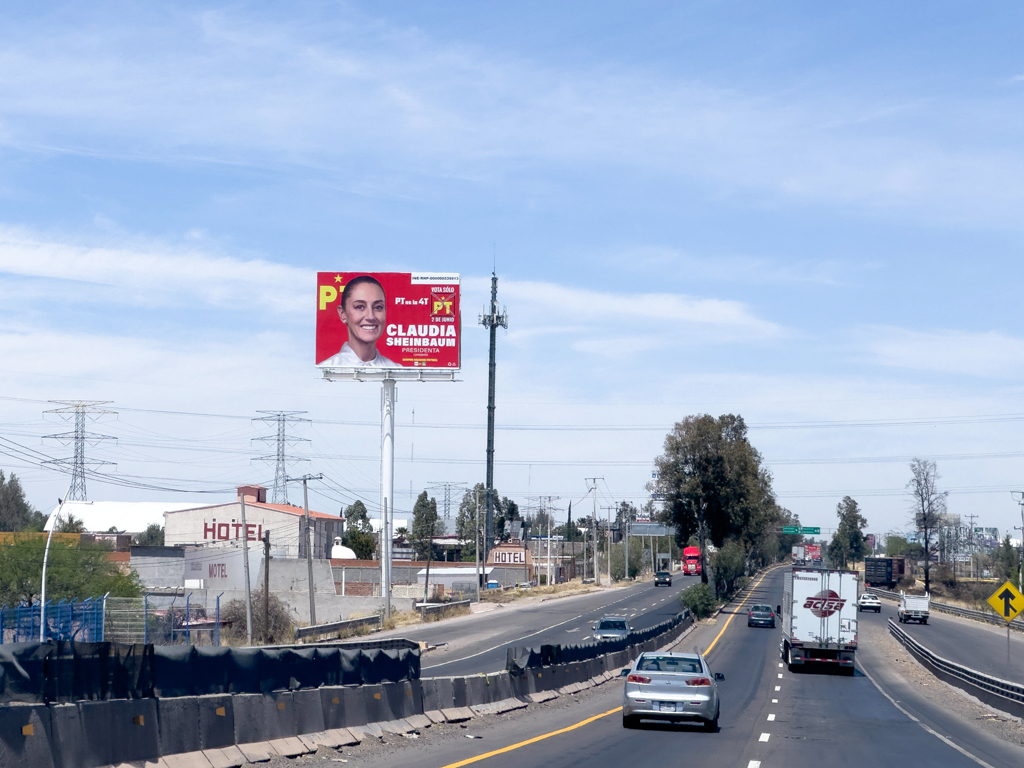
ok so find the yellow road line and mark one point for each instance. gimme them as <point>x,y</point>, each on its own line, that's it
<point>719,635</point>
<point>581,723</point>
<point>534,740</point>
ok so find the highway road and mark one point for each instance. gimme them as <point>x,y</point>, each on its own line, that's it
<point>972,643</point>
<point>478,643</point>
<point>770,717</point>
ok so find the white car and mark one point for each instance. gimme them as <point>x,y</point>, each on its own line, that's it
<point>869,602</point>
<point>677,687</point>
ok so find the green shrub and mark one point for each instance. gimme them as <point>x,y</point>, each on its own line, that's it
<point>700,600</point>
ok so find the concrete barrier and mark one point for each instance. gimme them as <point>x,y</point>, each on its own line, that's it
<point>437,694</point>
<point>309,711</point>
<point>216,720</point>
<point>26,735</point>
<point>119,731</point>
<point>178,725</point>
<point>332,706</point>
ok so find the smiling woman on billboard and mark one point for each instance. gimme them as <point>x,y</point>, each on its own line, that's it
<point>387,320</point>
<point>363,309</point>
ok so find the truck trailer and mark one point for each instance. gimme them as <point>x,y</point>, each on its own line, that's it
<point>883,572</point>
<point>819,617</point>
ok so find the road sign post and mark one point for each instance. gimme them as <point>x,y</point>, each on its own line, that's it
<point>1008,602</point>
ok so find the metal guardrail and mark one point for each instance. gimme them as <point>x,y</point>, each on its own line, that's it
<point>425,608</point>
<point>955,610</point>
<point>1002,694</point>
<point>318,630</point>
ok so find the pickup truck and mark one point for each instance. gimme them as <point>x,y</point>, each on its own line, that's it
<point>913,608</point>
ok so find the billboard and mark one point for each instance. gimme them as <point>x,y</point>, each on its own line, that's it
<point>388,320</point>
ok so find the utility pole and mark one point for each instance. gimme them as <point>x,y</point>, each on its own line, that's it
<point>80,409</point>
<point>592,486</point>
<point>308,542</point>
<point>1020,562</point>
<point>245,568</point>
<point>266,586</point>
<point>491,320</point>
<point>280,459</point>
<point>476,541</point>
<point>626,521</point>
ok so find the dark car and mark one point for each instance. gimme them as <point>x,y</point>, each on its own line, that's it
<point>663,577</point>
<point>761,616</point>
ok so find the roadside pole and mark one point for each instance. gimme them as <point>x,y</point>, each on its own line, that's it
<point>625,520</point>
<point>266,586</point>
<point>476,542</point>
<point>245,568</point>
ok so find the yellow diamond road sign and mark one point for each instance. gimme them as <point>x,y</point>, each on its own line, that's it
<point>1007,601</point>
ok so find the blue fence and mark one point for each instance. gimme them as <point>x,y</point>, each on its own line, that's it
<point>79,620</point>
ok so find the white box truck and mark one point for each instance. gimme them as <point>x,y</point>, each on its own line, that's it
<point>819,617</point>
<point>913,608</point>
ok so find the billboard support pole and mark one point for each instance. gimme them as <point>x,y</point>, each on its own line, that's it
<point>388,398</point>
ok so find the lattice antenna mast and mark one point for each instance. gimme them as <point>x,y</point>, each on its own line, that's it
<point>280,456</point>
<point>80,410</point>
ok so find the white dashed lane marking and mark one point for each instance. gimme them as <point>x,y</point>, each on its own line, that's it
<point>780,675</point>
<point>771,718</point>
<point>764,737</point>
<point>775,701</point>
<point>754,764</point>
<point>780,665</point>
<point>778,687</point>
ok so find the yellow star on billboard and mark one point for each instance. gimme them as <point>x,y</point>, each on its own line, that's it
<point>1007,601</point>
<point>338,278</point>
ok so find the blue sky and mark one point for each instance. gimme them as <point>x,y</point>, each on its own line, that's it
<point>805,215</point>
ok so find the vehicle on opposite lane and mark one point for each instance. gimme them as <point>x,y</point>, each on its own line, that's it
<point>673,687</point>
<point>869,602</point>
<point>761,616</point>
<point>611,628</point>
<point>663,578</point>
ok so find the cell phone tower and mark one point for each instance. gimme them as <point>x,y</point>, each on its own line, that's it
<point>491,319</point>
<point>80,410</point>
<point>280,457</point>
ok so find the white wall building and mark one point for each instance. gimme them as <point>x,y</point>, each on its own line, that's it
<point>223,522</point>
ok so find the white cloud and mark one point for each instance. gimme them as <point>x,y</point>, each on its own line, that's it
<point>989,354</point>
<point>151,273</point>
<point>645,316</point>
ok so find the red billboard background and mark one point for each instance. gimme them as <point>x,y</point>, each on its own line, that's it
<point>422,328</point>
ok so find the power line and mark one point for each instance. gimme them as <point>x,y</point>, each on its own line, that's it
<point>79,409</point>
<point>280,459</point>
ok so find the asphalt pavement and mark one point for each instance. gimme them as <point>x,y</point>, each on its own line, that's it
<point>770,717</point>
<point>478,643</point>
<point>974,644</point>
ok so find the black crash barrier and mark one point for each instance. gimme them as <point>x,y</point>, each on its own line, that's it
<point>518,660</point>
<point>67,671</point>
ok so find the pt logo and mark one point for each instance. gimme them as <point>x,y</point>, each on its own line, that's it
<point>442,302</point>
<point>825,603</point>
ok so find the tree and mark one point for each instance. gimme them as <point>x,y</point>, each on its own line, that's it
<point>153,536</point>
<point>425,526</point>
<point>75,570</point>
<point>1006,562</point>
<point>16,514</point>
<point>358,531</point>
<point>280,630</point>
<point>505,511</point>
<point>712,481</point>
<point>927,507</point>
<point>848,541</point>
<point>356,517</point>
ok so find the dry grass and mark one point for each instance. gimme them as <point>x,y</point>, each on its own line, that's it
<point>575,587</point>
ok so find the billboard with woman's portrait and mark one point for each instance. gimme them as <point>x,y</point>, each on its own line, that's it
<point>388,320</point>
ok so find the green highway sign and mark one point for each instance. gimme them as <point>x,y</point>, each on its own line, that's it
<point>810,530</point>
<point>790,529</point>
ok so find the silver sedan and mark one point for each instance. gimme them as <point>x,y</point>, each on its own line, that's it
<point>677,687</point>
